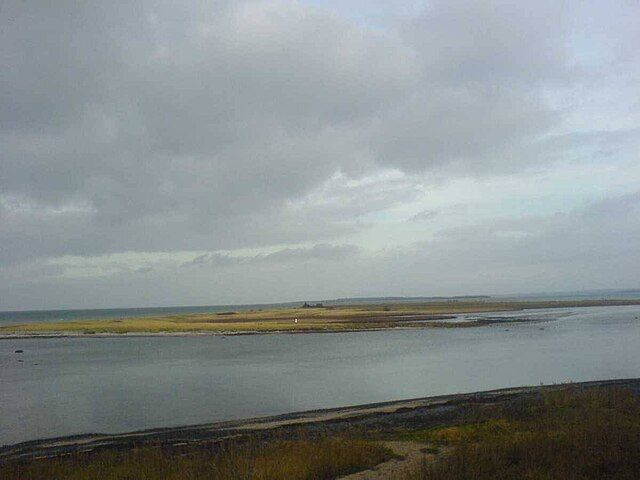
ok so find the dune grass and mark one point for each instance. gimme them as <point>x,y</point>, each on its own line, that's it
<point>335,319</point>
<point>591,435</point>
<point>318,459</point>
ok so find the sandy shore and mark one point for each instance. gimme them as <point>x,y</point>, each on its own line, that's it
<point>19,335</point>
<point>427,411</point>
<point>187,334</point>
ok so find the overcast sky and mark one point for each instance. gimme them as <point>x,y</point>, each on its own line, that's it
<point>213,152</point>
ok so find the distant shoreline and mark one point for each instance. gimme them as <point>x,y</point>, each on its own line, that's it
<point>310,319</point>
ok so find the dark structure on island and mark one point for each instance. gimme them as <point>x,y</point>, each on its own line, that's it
<point>308,305</point>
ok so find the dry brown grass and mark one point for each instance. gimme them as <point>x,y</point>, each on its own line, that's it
<point>591,435</point>
<point>319,459</point>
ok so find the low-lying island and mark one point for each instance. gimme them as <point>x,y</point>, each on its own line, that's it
<point>300,320</point>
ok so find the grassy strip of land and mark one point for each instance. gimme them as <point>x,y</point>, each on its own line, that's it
<point>324,319</point>
<point>301,459</point>
<point>568,435</point>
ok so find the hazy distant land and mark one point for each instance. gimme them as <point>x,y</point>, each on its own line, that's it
<point>315,318</point>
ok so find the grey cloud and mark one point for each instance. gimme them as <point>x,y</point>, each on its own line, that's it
<point>595,144</point>
<point>215,126</point>
<point>317,252</point>
<point>464,131</point>
<point>170,118</point>
<point>246,91</point>
<point>604,231</point>
<point>424,215</point>
<point>495,44</point>
<point>481,103</point>
<point>321,251</point>
<point>346,198</point>
<point>217,259</point>
<point>593,247</point>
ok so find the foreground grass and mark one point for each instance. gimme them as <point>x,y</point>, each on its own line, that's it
<point>284,320</point>
<point>568,436</point>
<point>320,459</point>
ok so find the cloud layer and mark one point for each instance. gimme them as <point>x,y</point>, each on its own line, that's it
<point>247,137</point>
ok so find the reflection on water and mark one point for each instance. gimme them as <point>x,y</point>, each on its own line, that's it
<point>78,385</point>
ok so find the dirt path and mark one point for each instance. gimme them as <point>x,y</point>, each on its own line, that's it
<point>412,454</point>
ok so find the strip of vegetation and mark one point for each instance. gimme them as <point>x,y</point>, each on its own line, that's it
<point>315,459</point>
<point>567,435</point>
<point>315,319</point>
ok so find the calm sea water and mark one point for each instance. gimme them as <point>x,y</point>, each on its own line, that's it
<point>80,385</point>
